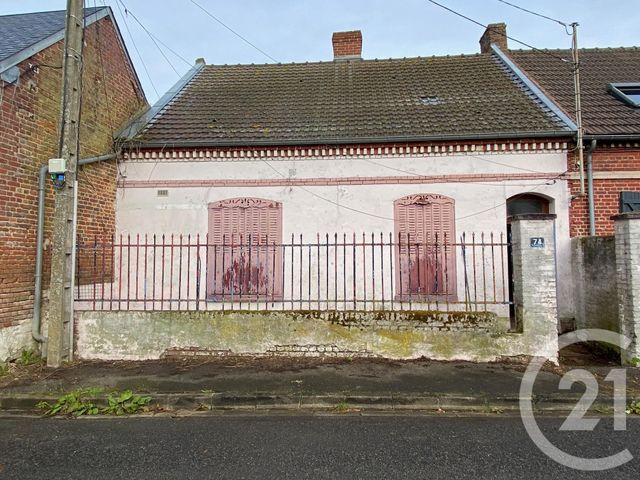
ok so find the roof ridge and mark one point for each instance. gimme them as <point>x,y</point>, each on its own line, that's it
<point>585,49</point>
<point>354,61</point>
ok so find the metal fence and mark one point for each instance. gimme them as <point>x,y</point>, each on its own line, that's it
<point>374,271</point>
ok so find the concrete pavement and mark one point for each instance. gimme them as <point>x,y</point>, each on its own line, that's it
<point>309,383</point>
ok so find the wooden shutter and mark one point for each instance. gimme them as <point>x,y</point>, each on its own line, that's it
<point>425,232</point>
<point>245,252</point>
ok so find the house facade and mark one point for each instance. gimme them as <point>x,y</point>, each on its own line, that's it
<point>330,189</point>
<point>31,55</point>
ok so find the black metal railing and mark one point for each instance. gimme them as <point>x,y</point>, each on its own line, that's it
<point>331,271</point>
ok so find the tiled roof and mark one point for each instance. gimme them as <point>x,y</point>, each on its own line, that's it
<point>602,113</point>
<point>350,101</point>
<point>21,31</point>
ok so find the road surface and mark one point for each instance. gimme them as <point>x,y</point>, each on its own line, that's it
<point>345,446</point>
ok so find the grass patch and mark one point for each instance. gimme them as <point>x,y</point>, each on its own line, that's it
<point>342,407</point>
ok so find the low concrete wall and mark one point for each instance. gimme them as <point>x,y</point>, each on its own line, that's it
<point>398,335</point>
<point>594,277</point>
<point>15,339</point>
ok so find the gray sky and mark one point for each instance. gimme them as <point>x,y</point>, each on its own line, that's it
<point>300,30</point>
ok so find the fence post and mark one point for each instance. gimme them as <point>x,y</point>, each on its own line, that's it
<point>534,280</point>
<point>627,230</point>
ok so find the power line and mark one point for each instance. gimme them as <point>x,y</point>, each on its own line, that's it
<point>233,31</point>
<point>324,198</point>
<point>498,32</point>
<point>407,172</point>
<point>144,65</point>
<point>546,182</point>
<point>565,25</point>
<point>549,181</point>
<point>156,40</point>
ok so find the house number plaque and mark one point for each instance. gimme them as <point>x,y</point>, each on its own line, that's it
<point>537,242</point>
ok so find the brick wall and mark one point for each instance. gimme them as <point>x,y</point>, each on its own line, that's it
<point>29,135</point>
<point>606,191</point>
<point>347,44</point>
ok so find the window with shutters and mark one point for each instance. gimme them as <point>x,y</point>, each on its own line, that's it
<point>245,249</point>
<point>425,254</point>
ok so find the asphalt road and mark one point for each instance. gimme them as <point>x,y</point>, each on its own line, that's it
<point>299,447</point>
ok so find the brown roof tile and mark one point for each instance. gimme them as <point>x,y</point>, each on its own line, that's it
<point>603,113</point>
<point>350,101</point>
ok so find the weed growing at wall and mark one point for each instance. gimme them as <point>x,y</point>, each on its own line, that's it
<point>29,357</point>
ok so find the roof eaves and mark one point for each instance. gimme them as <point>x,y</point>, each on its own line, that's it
<point>348,141</point>
<point>30,51</point>
<point>623,137</point>
<point>137,125</point>
<point>533,88</point>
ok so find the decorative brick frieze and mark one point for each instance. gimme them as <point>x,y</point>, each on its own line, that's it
<point>332,151</point>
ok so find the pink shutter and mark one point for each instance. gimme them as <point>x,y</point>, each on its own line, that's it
<point>248,262</point>
<point>428,266</point>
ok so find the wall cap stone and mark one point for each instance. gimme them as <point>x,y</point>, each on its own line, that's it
<point>626,216</point>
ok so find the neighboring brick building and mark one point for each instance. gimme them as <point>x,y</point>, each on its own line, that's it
<point>609,118</point>
<point>31,55</point>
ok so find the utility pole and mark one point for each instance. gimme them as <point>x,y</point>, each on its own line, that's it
<point>578,102</point>
<point>61,294</point>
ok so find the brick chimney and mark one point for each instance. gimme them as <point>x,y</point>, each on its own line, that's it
<point>347,45</point>
<point>495,33</point>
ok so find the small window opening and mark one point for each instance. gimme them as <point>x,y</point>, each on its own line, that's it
<point>162,193</point>
<point>627,92</point>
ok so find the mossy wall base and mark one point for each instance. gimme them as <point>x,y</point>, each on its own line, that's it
<point>397,335</point>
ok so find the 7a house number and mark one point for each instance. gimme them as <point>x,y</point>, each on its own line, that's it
<point>537,242</point>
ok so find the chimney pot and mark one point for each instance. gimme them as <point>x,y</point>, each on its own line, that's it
<point>347,45</point>
<point>495,33</point>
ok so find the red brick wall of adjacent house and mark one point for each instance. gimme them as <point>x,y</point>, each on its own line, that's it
<point>29,136</point>
<point>606,191</point>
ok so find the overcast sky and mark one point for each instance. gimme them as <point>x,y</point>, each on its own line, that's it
<point>300,30</point>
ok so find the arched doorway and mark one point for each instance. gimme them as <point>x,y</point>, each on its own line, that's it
<point>521,204</point>
<point>527,203</point>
